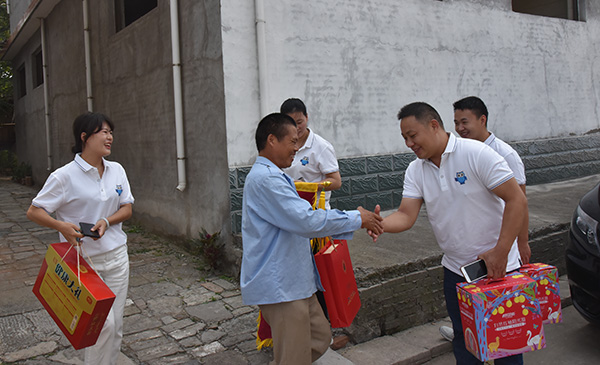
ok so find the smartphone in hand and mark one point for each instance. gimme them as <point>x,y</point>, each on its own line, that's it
<point>86,230</point>
<point>474,271</point>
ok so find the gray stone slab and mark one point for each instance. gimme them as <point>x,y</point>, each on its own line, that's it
<point>139,323</point>
<point>225,358</point>
<point>44,324</point>
<point>33,351</point>
<point>159,352</point>
<point>165,305</point>
<point>212,335</point>
<point>142,336</point>
<point>212,312</point>
<point>208,349</point>
<point>234,302</point>
<point>187,331</point>
<point>177,325</point>
<point>16,333</point>
<point>18,300</point>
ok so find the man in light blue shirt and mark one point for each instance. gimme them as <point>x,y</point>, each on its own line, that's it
<point>278,269</point>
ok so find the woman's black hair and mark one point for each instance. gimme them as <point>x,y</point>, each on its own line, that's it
<point>88,123</point>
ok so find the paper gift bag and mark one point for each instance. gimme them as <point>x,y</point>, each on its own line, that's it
<point>78,305</point>
<point>337,277</point>
<point>548,290</point>
<point>501,318</point>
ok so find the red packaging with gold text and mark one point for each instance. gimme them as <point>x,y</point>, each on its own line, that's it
<point>501,318</point>
<point>79,308</point>
<point>548,290</point>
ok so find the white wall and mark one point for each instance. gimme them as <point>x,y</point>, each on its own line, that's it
<point>357,62</point>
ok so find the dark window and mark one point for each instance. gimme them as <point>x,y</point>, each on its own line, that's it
<point>21,82</point>
<point>37,69</point>
<point>565,9</point>
<point>128,11</point>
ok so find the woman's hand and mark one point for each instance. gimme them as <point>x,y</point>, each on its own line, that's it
<point>101,227</point>
<point>70,232</point>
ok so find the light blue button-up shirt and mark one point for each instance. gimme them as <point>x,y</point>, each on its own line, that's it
<point>277,263</point>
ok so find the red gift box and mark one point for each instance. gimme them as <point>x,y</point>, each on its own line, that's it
<point>337,277</point>
<point>501,318</point>
<point>79,306</point>
<point>548,290</point>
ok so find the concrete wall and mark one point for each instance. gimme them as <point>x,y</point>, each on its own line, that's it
<point>133,84</point>
<point>356,62</point>
<point>66,83</point>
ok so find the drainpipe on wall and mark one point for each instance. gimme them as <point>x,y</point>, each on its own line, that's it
<point>179,138</point>
<point>261,45</point>
<point>88,62</point>
<point>46,104</point>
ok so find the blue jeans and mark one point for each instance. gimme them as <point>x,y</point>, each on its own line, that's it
<point>462,355</point>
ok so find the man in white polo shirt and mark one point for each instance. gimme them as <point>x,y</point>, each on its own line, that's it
<point>474,205</point>
<point>470,121</point>
<point>315,160</point>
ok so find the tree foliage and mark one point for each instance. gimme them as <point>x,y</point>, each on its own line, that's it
<point>6,85</point>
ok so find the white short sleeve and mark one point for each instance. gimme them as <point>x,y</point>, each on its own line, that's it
<point>52,195</point>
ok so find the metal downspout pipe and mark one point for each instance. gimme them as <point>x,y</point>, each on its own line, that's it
<point>88,62</point>
<point>46,103</point>
<point>179,137</point>
<point>261,46</point>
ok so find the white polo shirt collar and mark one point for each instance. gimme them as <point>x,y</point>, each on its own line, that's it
<point>85,166</point>
<point>490,139</point>
<point>309,141</point>
<point>450,147</point>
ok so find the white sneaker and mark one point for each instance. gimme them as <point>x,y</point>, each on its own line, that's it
<point>447,333</point>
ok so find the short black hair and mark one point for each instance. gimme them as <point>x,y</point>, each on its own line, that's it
<point>274,124</point>
<point>474,104</point>
<point>423,112</point>
<point>88,123</point>
<point>293,105</point>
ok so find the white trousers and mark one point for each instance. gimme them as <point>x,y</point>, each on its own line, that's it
<point>113,268</point>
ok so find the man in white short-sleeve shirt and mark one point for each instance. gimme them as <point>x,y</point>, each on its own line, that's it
<point>470,121</point>
<point>315,160</point>
<point>473,201</point>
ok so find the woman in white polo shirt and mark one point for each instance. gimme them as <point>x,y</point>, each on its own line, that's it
<point>93,190</point>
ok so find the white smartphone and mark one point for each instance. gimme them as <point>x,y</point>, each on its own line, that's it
<point>474,271</point>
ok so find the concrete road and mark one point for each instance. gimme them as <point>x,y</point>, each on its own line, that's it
<point>572,342</point>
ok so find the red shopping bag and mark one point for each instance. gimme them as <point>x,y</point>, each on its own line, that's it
<point>73,294</point>
<point>337,277</point>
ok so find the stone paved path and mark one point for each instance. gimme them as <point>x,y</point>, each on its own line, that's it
<point>176,311</point>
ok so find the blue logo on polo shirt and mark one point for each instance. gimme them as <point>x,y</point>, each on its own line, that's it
<point>119,189</point>
<point>304,161</point>
<point>460,177</point>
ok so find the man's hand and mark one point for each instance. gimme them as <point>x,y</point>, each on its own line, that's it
<point>371,221</point>
<point>495,261</point>
<point>370,232</point>
<point>525,252</point>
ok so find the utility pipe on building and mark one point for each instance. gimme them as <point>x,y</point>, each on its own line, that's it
<point>261,46</point>
<point>46,103</point>
<point>88,62</point>
<point>179,137</point>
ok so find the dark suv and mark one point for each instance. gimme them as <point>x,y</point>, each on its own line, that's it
<point>583,256</point>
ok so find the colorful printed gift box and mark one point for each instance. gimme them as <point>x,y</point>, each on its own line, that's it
<point>501,318</point>
<point>78,305</point>
<point>548,290</point>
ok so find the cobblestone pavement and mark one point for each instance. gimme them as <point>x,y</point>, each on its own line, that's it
<point>176,311</point>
